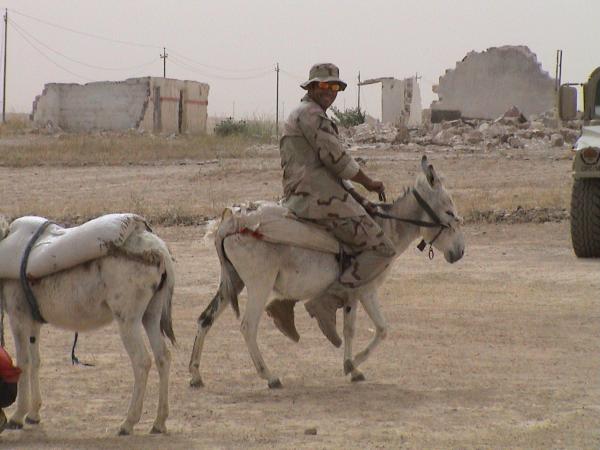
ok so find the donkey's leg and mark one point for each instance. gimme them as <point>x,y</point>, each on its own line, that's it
<point>21,324</point>
<point>162,358</point>
<point>205,322</point>
<point>371,306</point>
<point>33,416</point>
<point>349,328</point>
<point>132,336</point>
<point>258,294</point>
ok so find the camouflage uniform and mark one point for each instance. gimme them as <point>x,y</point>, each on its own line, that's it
<point>314,165</point>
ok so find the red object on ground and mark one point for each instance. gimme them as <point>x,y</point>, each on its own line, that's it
<point>8,372</point>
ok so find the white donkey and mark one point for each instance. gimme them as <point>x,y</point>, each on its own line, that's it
<point>425,210</point>
<point>134,291</point>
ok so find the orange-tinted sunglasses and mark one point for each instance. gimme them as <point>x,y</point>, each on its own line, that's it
<point>331,86</point>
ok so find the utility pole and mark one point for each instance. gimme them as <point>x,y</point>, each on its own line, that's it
<point>558,71</point>
<point>5,48</point>
<point>359,90</point>
<point>277,102</point>
<point>164,56</point>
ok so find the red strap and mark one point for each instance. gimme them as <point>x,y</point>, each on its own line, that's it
<point>8,372</point>
<point>254,234</point>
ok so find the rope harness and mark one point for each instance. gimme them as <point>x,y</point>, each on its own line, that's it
<point>33,304</point>
<point>435,220</point>
<point>30,296</point>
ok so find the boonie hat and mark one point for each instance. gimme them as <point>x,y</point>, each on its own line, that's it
<point>326,72</point>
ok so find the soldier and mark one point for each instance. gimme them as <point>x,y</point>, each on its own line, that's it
<point>316,174</point>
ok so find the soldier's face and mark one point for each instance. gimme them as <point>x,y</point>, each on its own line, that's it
<point>323,97</point>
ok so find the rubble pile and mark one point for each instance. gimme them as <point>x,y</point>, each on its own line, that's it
<point>366,133</point>
<point>511,130</point>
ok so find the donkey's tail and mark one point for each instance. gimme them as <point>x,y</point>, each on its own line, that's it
<point>166,287</point>
<point>231,283</point>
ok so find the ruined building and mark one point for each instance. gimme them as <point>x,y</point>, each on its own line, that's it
<point>400,100</point>
<point>486,84</point>
<point>146,104</point>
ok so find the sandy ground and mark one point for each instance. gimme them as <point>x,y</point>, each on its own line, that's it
<point>500,350</point>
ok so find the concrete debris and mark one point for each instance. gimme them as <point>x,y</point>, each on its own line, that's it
<point>557,140</point>
<point>512,116</point>
<point>379,132</point>
<point>512,130</point>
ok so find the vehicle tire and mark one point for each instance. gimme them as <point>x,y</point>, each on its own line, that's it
<point>585,218</point>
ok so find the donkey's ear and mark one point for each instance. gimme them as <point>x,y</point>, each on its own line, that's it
<point>429,171</point>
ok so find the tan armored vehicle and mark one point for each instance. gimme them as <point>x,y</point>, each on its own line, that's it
<point>585,196</point>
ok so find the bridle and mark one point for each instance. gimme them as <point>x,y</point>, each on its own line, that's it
<point>435,219</point>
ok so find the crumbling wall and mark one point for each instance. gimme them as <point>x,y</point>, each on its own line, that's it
<point>105,105</point>
<point>400,101</point>
<point>486,84</point>
<point>183,106</point>
<point>393,105</point>
<point>148,104</point>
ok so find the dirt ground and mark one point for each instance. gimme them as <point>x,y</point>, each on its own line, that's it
<point>500,350</point>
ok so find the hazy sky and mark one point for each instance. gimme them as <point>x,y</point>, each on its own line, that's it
<point>234,44</point>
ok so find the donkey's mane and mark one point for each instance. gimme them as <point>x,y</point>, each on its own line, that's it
<point>387,206</point>
<point>405,191</point>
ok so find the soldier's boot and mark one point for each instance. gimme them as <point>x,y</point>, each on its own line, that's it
<point>282,313</point>
<point>324,308</point>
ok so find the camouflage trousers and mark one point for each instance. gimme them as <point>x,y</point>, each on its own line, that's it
<point>371,250</point>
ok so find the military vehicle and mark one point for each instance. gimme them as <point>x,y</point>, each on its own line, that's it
<point>585,194</point>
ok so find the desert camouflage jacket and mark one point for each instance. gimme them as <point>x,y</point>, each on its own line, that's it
<point>314,165</point>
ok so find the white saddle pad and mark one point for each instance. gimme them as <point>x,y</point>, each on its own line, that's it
<point>62,248</point>
<point>275,223</point>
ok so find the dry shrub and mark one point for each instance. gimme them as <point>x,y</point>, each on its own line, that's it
<point>129,148</point>
<point>16,123</point>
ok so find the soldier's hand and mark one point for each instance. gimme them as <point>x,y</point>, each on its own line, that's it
<point>371,208</point>
<point>376,186</point>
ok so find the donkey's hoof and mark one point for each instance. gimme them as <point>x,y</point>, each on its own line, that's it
<point>275,384</point>
<point>196,382</point>
<point>124,432</point>
<point>12,425</point>
<point>358,377</point>
<point>158,430</point>
<point>348,366</point>
<point>32,421</point>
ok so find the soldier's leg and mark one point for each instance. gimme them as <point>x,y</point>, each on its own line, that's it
<point>374,253</point>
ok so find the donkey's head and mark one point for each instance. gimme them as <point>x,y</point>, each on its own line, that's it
<point>447,237</point>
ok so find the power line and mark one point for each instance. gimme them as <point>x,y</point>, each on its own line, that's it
<point>178,62</point>
<point>292,75</point>
<point>83,33</point>
<point>181,56</point>
<point>222,69</point>
<point>19,28</point>
<point>49,59</point>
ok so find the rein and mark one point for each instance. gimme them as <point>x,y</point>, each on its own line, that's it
<point>435,220</point>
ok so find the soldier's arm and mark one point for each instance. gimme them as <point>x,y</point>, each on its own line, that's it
<point>348,186</point>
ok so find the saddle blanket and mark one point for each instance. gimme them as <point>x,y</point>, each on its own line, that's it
<point>274,223</point>
<point>63,248</point>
